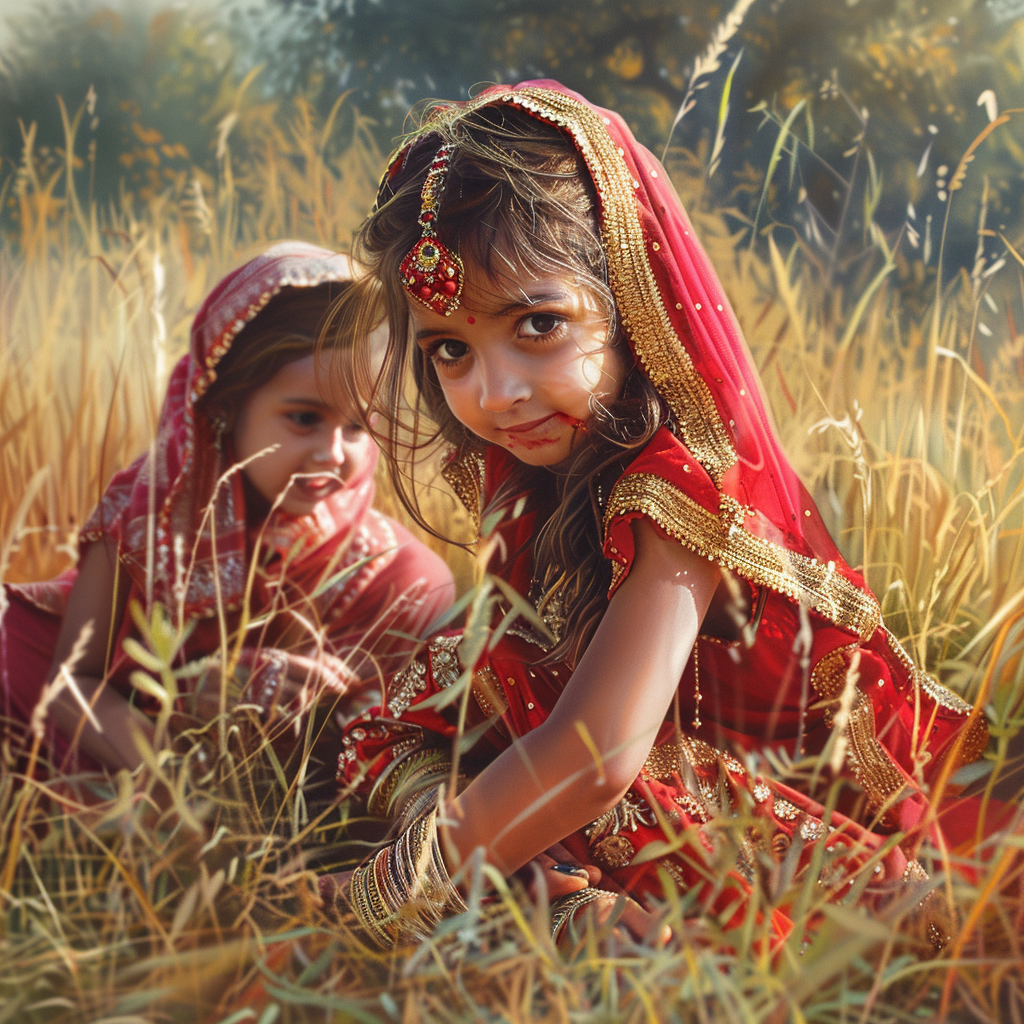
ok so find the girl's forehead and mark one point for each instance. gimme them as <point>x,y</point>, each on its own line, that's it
<point>312,378</point>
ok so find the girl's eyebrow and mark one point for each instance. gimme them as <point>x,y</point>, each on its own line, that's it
<point>317,403</point>
<point>526,302</point>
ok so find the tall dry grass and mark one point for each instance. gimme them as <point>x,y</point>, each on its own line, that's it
<point>909,437</point>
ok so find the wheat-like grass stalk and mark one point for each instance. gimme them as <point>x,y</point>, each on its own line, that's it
<point>209,910</point>
<point>708,62</point>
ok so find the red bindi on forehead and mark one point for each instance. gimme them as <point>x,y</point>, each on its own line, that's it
<point>470,319</point>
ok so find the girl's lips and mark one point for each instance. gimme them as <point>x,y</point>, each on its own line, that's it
<point>317,488</point>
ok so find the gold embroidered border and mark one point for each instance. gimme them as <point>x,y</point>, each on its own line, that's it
<point>872,766</point>
<point>723,539</point>
<point>942,696</point>
<point>871,763</point>
<point>488,693</point>
<point>658,346</point>
<point>828,678</point>
<point>667,759</point>
<point>465,476</point>
<point>976,740</point>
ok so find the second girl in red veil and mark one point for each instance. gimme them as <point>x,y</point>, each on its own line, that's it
<point>250,523</point>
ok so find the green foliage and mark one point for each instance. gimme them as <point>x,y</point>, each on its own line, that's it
<point>151,88</point>
<point>893,89</point>
<point>875,75</point>
<point>627,55</point>
<point>188,893</point>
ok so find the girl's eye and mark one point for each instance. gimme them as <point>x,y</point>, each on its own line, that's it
<point>305,418</point>
<point>537,325</point>
<point>450,350</point>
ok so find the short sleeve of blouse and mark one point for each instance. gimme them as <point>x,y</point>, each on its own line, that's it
<point>668,486</point>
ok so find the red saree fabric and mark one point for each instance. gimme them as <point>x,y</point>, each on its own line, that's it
<point>345,577</point>
<point>719,483</point>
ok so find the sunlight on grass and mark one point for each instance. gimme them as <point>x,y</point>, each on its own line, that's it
<point>907,428</point>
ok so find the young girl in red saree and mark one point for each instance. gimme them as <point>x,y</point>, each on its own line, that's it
<point>257,495</point>
<point>575,348</point>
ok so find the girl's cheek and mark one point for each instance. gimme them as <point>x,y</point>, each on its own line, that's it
<point>455,393</point>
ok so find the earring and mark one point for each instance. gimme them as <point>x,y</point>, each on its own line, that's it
<point>219,423</point>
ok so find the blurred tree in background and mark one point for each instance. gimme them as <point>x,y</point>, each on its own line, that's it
<point>149,88</point>
<point>884,95</point>
<point>875,71</point>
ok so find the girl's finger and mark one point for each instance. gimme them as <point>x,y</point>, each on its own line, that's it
<point>557,880</point>
<point>561,855</point>
<point>644,927</point>
<point>561,883</point>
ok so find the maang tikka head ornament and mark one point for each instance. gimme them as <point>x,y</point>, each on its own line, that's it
<point>431,272</point>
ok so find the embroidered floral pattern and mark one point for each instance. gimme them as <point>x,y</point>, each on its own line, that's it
<point>405,686</point>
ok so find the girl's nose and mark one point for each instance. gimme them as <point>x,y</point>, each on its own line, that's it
<point>501,387</point>
<point>335,453</point>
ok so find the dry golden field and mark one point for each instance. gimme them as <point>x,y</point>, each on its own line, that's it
<point>909,429</point>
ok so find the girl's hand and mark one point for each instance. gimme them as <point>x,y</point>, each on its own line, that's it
<point>561,872</point>
<point>279,681</point>
<point>332,890</point>
<point>562,875</point>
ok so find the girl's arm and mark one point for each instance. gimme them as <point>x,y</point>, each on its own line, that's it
<point>94,604</point>
<point>582,759</point>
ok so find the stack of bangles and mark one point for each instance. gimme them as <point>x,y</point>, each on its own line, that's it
<point>403,891</point>
<point>562,910</point>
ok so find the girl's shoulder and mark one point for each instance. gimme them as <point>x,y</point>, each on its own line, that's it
<point>665,474</point>
<point>409,561</point>
<point>110,517</point>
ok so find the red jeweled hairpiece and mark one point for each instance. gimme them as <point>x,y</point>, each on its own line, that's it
<point>431,272</point>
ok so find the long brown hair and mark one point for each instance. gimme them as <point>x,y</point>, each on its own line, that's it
<point>518,195</point>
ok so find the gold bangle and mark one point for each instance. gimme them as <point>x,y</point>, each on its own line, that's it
<point>371,917</point>
<point>405,889</point>
<point>394,783</point>
<point>563,909</point>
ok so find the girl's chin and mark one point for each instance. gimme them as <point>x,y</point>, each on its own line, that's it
<point>538,453</point>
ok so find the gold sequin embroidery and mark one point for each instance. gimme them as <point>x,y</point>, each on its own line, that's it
<point>630,812</point>
<point>465,476</point>
<point>404,687</point>
<point>724,539</point>
<point>872,766</point>
<point>785,811</point>
<point>444,660</point>
<point>614,851</point>
<point>488,693</point>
